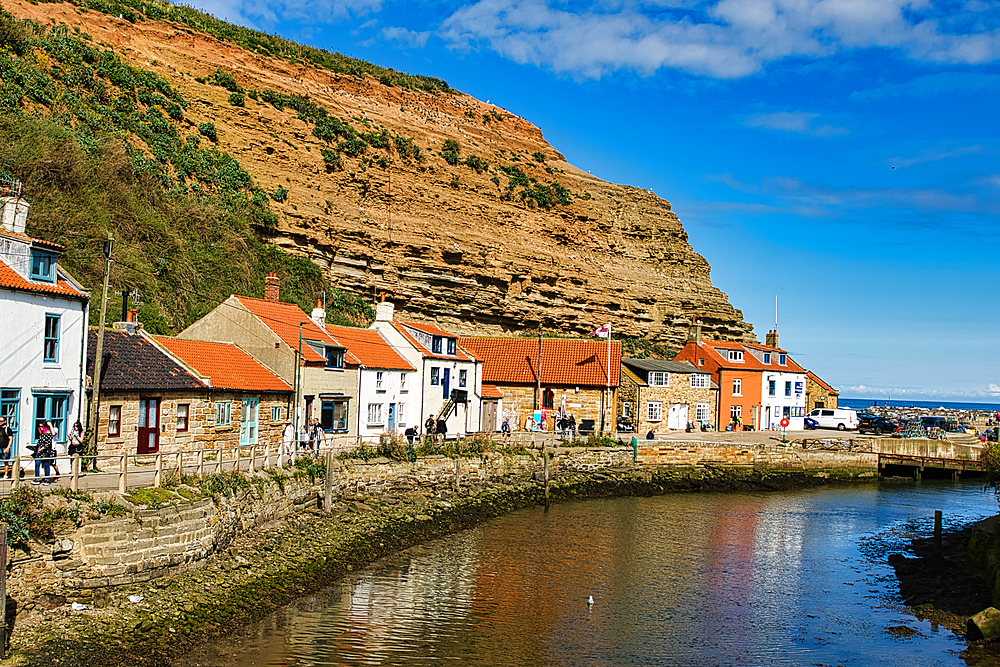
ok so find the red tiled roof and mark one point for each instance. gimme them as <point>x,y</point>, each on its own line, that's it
<point>369,348</point>
<point>11,279</point>
<point>30,239</point>
<point>750,362</point>
<point>490,391</point>
<point>226,365</point>
<point>815,378</point>
<point>432,330</point>
<point>283,319</point>
<point>564,362</point>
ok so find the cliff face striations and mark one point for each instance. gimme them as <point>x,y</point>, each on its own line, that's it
<point>460,244</point>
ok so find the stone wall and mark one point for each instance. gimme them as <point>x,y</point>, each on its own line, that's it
<point>818,395</point>
<point>585,404</point>
<point>149,543</point>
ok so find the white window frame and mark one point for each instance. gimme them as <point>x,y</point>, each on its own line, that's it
<point>701,412</point>
<point>223,413</point>
<point>699,381</point>
<point>378,381</point>
<point>435,376</point>
<point>735,412</point>
<point>115,418</point>
<point>737,387</point>
<point>375,414</point>
<point>400,414</point>
<point>654,411</point>
<point>463,377</point>
<point>627,409</point>
<point>736,355</point>
<point>402,381</point>
<point>659,379</point>
<point>183,417</point>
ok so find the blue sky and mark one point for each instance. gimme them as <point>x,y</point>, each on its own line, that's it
<point>841,155</point>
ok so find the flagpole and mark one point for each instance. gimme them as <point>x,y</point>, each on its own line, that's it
<point>607,403</point>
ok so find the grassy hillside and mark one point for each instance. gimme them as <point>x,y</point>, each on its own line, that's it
<point>100,147</point>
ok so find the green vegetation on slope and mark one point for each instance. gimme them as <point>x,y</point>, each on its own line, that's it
<point>97,145</point>
<point>259,42</point>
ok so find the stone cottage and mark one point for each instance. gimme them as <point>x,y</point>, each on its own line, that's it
<point>658,395</point>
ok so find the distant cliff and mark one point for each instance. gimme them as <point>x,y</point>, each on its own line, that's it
<point>456,210</point>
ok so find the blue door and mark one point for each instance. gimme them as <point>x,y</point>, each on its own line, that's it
<point>446,383</point>
<point>392,416</point>
<point>10,399</point>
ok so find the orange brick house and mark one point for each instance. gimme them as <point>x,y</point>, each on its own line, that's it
<point>758,384</point>
<point>573,373</point>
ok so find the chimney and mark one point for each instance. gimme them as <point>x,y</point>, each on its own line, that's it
<point>694,332</point>
<point>383,310</point>
<point>319,314</point>
<point>772,338</point>
<point>13,214</point>
<point>272,287</point>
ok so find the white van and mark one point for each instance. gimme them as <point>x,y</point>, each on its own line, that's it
<point>838,418</point>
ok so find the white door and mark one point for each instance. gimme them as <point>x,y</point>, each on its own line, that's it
<point>678,416</point>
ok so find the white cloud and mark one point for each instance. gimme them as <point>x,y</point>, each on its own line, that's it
<point>799,123</point>
<point>406,37</point>
<point>726,39</point>
<point>993,389</point>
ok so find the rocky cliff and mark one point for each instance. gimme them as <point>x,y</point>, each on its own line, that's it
<point>493,235</point>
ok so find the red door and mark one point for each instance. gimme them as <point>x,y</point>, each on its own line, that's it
<point>149,426</point>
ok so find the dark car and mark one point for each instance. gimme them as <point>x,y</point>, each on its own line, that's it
<point>934,422</point>
<point>811,423</point>
<point>876,425</point>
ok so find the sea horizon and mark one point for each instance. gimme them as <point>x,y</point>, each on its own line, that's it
<point>859,403</point>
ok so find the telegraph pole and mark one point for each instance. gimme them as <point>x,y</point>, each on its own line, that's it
<point>538,370</point>
<point>95,397</point>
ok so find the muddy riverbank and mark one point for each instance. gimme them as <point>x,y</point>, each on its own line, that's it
<point>311,549</point>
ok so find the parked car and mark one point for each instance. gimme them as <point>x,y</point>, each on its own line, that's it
<point>811,423</point>
<point>869,423</point>
<point>838,418</point>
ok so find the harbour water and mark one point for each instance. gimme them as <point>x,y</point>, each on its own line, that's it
<point>789,578</point>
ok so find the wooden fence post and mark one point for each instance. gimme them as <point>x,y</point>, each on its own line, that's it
<point>253,458</point>
<point>267,456</point>
<point>16,482</point>
<point>219,450</point>
<point>74,471</point>
<point>123,474</point>
<point>158,475</point>
<point>201,462</point>
<point>180,464</point>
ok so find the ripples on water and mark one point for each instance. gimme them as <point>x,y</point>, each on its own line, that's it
<point>796,578</point>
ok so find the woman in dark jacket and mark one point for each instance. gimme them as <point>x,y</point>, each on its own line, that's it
<point>44,453</point>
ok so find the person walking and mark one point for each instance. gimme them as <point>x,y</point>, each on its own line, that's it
<point>318,435</point>
<point>6,444</point>
<point>43,454</point>
<point>505,431</point>
<point>303,437</point>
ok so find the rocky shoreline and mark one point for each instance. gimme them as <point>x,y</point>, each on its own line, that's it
<point>287,558</point>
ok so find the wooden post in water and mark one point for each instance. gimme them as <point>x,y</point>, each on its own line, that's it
<point>328,486</point>
<point>3,591</point>
<point>545,476</point>
<point>458,473</point>
<point>937,533</point>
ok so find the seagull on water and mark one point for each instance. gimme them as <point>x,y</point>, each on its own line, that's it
<point>590,600</point>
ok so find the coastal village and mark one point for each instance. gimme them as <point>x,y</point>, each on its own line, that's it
<point>253,366</point>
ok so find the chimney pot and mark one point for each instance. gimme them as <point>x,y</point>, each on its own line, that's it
<point>384,310</point>
<point>694,332</point>
<point>272,287</point>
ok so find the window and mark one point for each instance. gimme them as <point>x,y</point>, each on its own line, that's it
<point>699,381</point>
<point>334,357</point>
<point>788,390</point>
<point>10,403</point>
<point>50,348</point>
<point>276,413</point>
<point>701,362</point>
<point>548,399</point>
<point>701,412</point>
<point>736,355</point>
<point>462,375</point>
<point>736,412</point>
<point>435,375</point>
<point>452,347</point>
<point>767,357</point>
<point>654,411</point>
<point>401,414</point>
<point>223,413</point>
<point>333,416</point>
<point>626,409</point>
<point>378,381</point>
<point>51,407</point>
<point>659,379</point>
<point>798,411</point>
<point>771,387</point>
<point>402,381</point>
<point>43,266</point>
<point>737,387</point>
<point>115,421</point>
<point>786,411</point>
<point>375,413</point>
<point>436,345</point>
<point>782,359</point>
<point>182,416</point>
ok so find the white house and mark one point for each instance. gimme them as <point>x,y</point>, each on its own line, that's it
<point>444,371</point>
<point>783,386</point>
<point>43,316</point>
<point>388,387</point>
